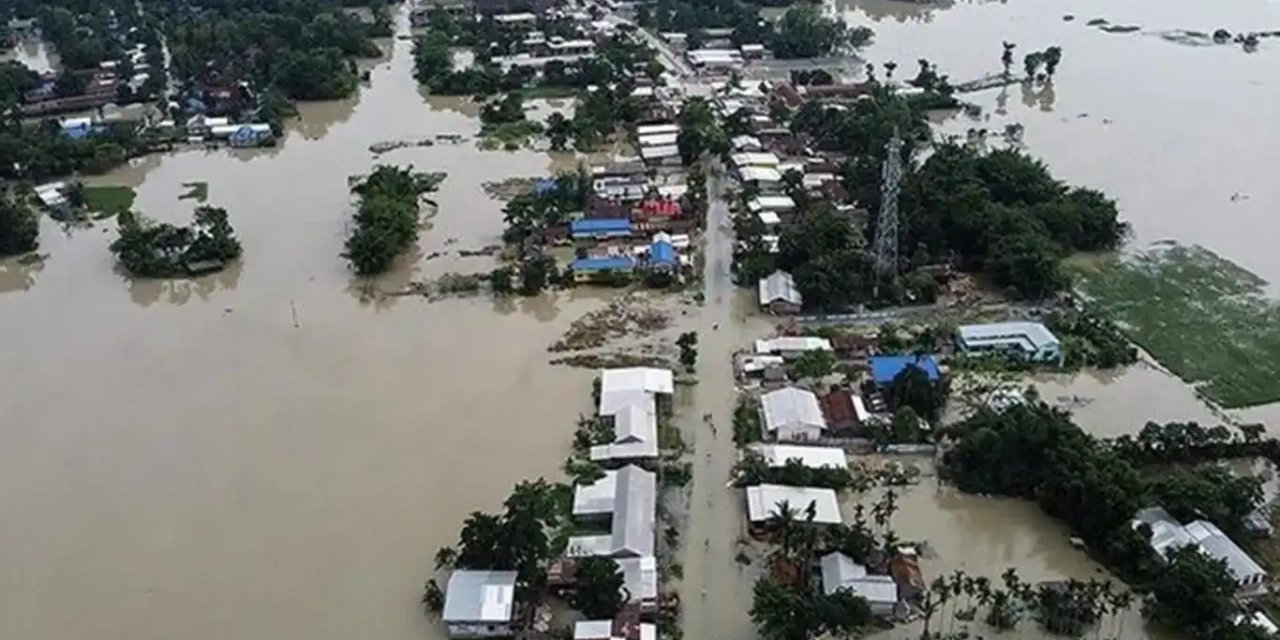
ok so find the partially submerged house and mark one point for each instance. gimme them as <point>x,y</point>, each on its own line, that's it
<point>840,572</point>
<point>627,498</point>
<point>480,604</point>
<point>763,502</point>
<point>635,430</point>
<point>1168,534</point>
<point>777,455</point>
<point>601,268</point>
<point>792,346</point>
<point>792,414</point>
<point>600,228</point>
<point>620,387</point>
<point>779,295</point>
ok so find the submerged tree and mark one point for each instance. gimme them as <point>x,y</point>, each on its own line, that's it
<point>159,250</point>
<point>599,593</point>
<point>19,227</point>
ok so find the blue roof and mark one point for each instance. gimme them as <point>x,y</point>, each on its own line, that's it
<point>544,185</point>
<point>661,252</point>
<point>600,225</point>
<point>601,264</point>
<point>885,368</point>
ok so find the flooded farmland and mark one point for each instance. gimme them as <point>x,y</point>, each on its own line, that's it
<point>265,454</point>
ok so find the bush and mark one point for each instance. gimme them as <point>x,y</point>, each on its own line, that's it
<point>164,250</point>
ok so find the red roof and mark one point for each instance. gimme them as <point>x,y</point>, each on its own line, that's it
<point>659,208</point>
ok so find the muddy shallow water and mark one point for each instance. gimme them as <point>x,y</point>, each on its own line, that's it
<point>259,453</point>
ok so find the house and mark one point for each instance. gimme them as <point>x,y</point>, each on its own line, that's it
<point>752,51</point>
<point>662,256</point>
<point>480,604</point>
<point>635,430</point>
<point>625,188</point>
<point>628,498</point>
<point>202,125</point>
<point>761,177</point>
<point>621,387</point>
<point>792,414</point>
<point>763,501</point>
<point>54,197</point>
<point>885,368</point>
<point>599,228</point>
<point>661,128</point>
<point>620,628</point>
<point>663,208</point>
<point>598,269</point>
<point>792,346</point>
<point>1029,340</point>
<point>516,21</point>
<point>1167,534</point>
<point>779,295</point>
<point>839,409</point>
<point>775,204</point>
<point>665,154</point>
<point>244,135</point>
<point>777,455</point>
<point>753,159</point>
<point>880,591</point>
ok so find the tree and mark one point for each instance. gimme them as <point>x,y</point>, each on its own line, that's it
<point>536,271</point>
<point>1052,57</point>
<point>1195,594</point>
<point>913,388</point>
<point>822,251</point>
<point>386,221</point>
<point>783,612</point>
<point>1213,493</point>
<point>446,557</point>
<point>688,343</point>
<point>1031,63</point>
<point>599,593</point>
<point>501,281</point>
<point>557,130</point>
<point>905,426</point>
<point>803,32</point>
<point>432,599</point>
<point>1006,58</point>
<point>700,131</point>
<point>19,227</point>
<point>813,364</point>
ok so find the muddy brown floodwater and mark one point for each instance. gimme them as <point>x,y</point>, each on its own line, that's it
<point>184,458</point>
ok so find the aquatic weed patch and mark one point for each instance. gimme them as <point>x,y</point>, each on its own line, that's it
<point>1202,316</point>
<point>108,200</point>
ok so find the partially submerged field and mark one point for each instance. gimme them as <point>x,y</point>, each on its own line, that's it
<point>1203,317</point>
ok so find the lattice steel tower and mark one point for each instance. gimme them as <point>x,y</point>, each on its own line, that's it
<point>885,246</point>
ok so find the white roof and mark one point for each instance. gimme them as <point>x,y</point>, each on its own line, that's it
<point>587,546</point>
<point>479,596</point>
<point>625,451</point>
<point>597,497</point>
<point>658,153</point>
<point>1215,544</point>
<point>787,344</point>
<point>860,409</point>
<point>793,408</point>
<point>769,219</point>
<point>813,180</point>
<point>593,630</point>
<point>755,363</point>
<point>838,569</point>
<point>672,191</point>
<point>746,143</point>
<point>759,174</point>
<point>621,387</point>
<point>658,139</point>
<point>777,455</point>
<point>778,285</point>
<point>640,577</point>
<point>1031,336</point>
<point>76,123</point>
<point>51,194</point>
<point>772,203</point>
<point>634,512</point>
<point>754,159</point>
<point>763,500</point>
<point>752,47</point>
<point>650,129</point>
<point>515,17</point>
<point>642,92</point>
<point>636,422</point>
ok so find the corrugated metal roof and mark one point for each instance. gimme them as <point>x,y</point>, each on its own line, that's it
<point>596,498</point>
<point>595,225</point>
<point>791,408</point>
<point>779,285</point>
<point>619,387</point>
<point>625,451</point>
<point>479,596</point>
<point>1030,336</point>
<point>636,422</point>
<point>640,578</point>
<point>662,252</point>
<point>885,368</point>
<point>838,569</point>
<point>790,344</point>
<point>763,500</point>
<point>634,512</point>
<point>777,455</point>
<point>653,129</point>
<point>612,263</point>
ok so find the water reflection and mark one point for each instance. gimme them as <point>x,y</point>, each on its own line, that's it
<point>1039,95</point>
<point>179,291</point>
<point>18,273</point>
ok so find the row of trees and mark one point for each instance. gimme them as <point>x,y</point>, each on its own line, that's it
<point>1036,452</point>
<point>19,225</point>
<point>802,32</point>
<point>386,221</point>
<point>42,151</point>
<point>754,470</point>
<point>162,250</point>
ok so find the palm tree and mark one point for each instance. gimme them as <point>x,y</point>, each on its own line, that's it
<point>1052,56</point>
<point>888,69</point>
<point>782,523</point>
<point>1006,58</point>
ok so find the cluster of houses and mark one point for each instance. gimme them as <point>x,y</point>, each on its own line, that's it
<point>619,510</point>
<point>717,54</point>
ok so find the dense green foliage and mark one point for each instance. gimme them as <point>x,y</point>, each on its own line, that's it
<point>754,470</point>
<point>812,364</point>
<point>913,389</point>
<point>747,427</point>
<point>783,611</point>
<point>517,539</point>
<point>19,226</point>
<point>41,151</point>
<point>1195,594</point>
<point>1089,340</point>
<point>804,32</point>
<point>599,593</point>
<point>386,222</point>
<point>823,251</point>
<point>162,250</point>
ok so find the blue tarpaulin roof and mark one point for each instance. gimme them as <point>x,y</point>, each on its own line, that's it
<point>544,185</point>
<point>600,225</point>
<point>601,264</point>
<point>885,368</point>
<point>661,252</point>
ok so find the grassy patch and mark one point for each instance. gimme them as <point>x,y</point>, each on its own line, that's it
<point>108,201</point>
<point>198,191</point>
<point>1199,314</point>
<point>509,135</point>
<point>549,93</point>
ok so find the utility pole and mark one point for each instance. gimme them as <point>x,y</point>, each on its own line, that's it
<point>885,246</point>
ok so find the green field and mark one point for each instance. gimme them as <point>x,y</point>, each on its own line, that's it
<point>1203,317</point>
<point>108,201</point>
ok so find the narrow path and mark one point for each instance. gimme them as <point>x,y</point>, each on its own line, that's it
<point>716,591</point>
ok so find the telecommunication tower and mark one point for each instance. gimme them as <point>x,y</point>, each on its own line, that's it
<point>885,246</point>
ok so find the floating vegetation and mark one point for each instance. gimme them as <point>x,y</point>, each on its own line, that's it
<point>1203,317</point>
<point>198,191</point>
<point>627,315</point>
<point>108,201</point>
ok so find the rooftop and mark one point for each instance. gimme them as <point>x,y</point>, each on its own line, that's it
<point>785,344</point>
<point>479,596</point>
<point>763,501</point>
<point>779,285</point>
<point>777,455</point>
<point>620,387</point>
<point>599,225</point>
<point>838,569</point>
<point>791,407</point>
<point>1030,336</point>
<point>760,174</point>
<point>654,129</point>
<point>885,368</point>
<point>612,263</point>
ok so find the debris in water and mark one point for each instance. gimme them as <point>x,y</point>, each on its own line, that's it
<point>509,188</point>
<point>379,148</point>
<point>613,361</point>
<point>1096,22</point>
<point>1068,18</point>
<point>446,286</point>
<point>1121,28</point>
<point>487,250</point>
<point>627,315</point>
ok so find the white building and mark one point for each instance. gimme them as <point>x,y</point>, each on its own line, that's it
<point>479,604</point>
<point>792,415</point>
<point>1030,340</point>
<point>1167,534</point>
<point>792,345</point>
<point>635,431</point>
<point>628,498</point>
<point>841,572</point>
<point>776,204</point>
<point>621,387</point>
<point>763,502</point>
<point>778,293</point>
<point>777,455</point>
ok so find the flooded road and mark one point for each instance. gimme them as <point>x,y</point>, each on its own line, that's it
<point>259,454</point>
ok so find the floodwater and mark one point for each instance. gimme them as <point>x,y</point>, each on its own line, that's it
<point>260,453</point>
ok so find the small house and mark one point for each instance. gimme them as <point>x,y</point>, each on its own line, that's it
<point>597,269</point>
<point>840,572</point>
<point>600,228</point>
<point>779,295</point>
<point>251,135</point>
<point>838,409</point>
<point>763,502</point>
<point>480,604</point>
<point>792,414</point>
<point>662,256</point>
<point>885,368</point>
<point>792,346</point>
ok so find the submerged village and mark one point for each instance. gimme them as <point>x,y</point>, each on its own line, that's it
<point>618,320</point>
